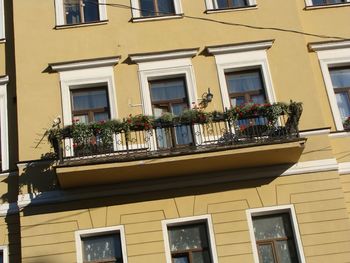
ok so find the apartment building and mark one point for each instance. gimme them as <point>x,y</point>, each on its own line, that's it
<point>210,131</point>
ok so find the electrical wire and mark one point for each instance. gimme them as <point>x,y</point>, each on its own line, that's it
<point>285,30</point>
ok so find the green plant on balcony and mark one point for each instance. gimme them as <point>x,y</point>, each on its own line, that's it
<point>165,120</point>
<point>346,124</point>
<point>194,116</point>
<point>138,122</point>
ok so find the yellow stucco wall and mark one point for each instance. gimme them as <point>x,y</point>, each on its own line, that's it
<point>48,233</point>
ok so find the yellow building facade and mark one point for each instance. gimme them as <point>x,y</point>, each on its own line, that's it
<point>179,131</point>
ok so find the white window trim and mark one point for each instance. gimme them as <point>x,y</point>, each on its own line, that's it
<point>5,252</point>
<point>4,124</point>
<point>162,66</point>
<point>136,12</point>
<point>332,55</point>
<point>212,4</point>
<point>2,20</point>
<point>188,221</point>
<point>270,211</point>
<point>310,4</point>
<point>97,232</point>
<point>240,57</point>
<point>60,16</point>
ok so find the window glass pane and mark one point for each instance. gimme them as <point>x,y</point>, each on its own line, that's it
<point>201,257</point>
<point>259,99</point>
<point>187,237</point>
<point>286,251</point>
<point>1,257</point>
<point>325,2</point>
<point>181,259</point>
<point>237,101</point>
<point>238,3</point>
<point>166,7</point>
<point>343,104</point>
<point>168,90</point>
<point>222,3</point>
<point>89,99</point>
<point>101,116</point>
<point>91,11</point>
<point>240,82</point>
<point>106,247</point>
<point>266,254</point>
<point>340,78</point>
<point>147,8</point>
<point>270,227</point>
<point>72,11</point>
<point>81,118</point>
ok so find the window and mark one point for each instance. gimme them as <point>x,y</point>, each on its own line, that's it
<point>3,125</point>
<point>72,12</point>
<point>90,105</point>
<point>170,95</point>
<point>275,235</point>
<point>189,240</point>
<point>244,73</point>
<point>341,84</point>
<point>81,11</point>
<point>245,86</point>
<point>320,3</point>
<point>328,2</point>
<point>2,20</point>
<point>4,254</point>
<point>334,58</point>
<point>229,4</point>
<point>99,245</point>
<point>274,238</point>
<point>88,92</point>
<point>155,8</point>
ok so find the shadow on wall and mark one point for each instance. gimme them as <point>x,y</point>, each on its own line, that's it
<point>37,177</point>
<point>148,190</point>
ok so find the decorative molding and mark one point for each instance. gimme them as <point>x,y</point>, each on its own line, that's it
<point>310,133</point>
<point>57,196</point>
<point>4,80</point>
<point>312,167</point>
<point>188,221</point>
<point>329,45</point>
<point>344,168</point>
<point>270,211</point>
<point>84,64</point>
<point>234,48</point>
<point>166,55</point>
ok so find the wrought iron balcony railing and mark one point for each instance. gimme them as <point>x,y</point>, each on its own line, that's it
<point>143,139</point>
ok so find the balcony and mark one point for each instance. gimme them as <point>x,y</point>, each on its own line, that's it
<point>142,147</point>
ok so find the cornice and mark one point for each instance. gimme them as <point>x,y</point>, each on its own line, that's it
<point>83,64</point>
<point>164,55</point>
<point>321,46</point>
<point>241,47</point>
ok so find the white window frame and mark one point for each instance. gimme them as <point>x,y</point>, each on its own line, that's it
<point>332,55</point>
<point>212,4</point>
<point>4,124</point>
<point>271,211</point>
<point>85,74</point>
<point>189,221</point>
<point>99,232</point>
<point>2,20</point>
<point>60,15</point>
<point>309,4</point>
<point>136,12</point>
<point>5,252</point>
<point>241,57</point>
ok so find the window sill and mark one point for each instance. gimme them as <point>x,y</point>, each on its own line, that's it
<point>2,40</point>
<point>102,22</point>
<point>223,10</point>
<point>340,134</point>
<point>145,19</point>
<point>312,7</point>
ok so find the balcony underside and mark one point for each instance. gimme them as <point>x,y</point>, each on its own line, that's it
<point>107,170</point>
